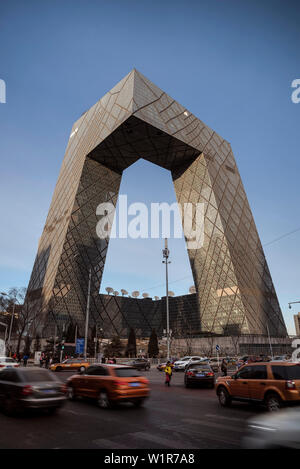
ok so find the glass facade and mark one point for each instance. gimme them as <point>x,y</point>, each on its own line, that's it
<point>234,290</point>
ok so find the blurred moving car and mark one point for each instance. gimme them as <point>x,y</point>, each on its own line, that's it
<point>70,364</point>
<point>7,362</point>
<point>214,363</point>
<point>272,384</point>
<point>109,385</point>
<point>181,364</point>
<point>280,358</point>
<point>280,430</point>
<point>30,388</point>
<point>139,364</point>
<point>162,366</point>
<point>199,373</point>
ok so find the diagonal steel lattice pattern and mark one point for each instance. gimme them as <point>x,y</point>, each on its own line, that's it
<point>138,120</point>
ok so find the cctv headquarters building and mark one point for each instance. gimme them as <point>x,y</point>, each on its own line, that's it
<point>234,292</point>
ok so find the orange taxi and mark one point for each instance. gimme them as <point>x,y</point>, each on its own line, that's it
<point>109,385</point>
<point>72,364</point>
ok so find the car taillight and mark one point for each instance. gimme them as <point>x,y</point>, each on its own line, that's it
<point>2,366</point>
<point>118,384</point>
<point>144,380</point>
<point>190,373</point>
<point>290,385</point>
<point>26,390</point>
<point>209,374</point>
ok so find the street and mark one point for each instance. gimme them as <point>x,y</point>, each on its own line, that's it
<point>172,418</point>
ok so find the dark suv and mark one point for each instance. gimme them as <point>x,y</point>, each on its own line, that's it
<point>139,364</point>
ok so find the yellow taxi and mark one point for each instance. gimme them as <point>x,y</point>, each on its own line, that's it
<point>71,364</point>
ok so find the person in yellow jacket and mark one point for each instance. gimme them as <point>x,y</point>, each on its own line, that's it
<point>168,372</point>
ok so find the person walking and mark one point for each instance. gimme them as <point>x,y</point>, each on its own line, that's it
<point>25,360</point>
<point>168,373</point>
<point>224,367</point>
<point>47,360</point>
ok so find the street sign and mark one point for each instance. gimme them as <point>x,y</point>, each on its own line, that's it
<point>79,346</point>
<point>218,348</point>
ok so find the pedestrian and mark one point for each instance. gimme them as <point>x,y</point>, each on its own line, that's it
<point>47,360</point>
<point>168,373</point>
<point>224,367</point>
<point>114,361</point>
<point>25,360</point>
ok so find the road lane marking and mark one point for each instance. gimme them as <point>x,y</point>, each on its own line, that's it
<point>104,443</point>
<point>200,423</point>
<point>224,417</point>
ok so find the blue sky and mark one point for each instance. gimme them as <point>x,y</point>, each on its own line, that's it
<point>229,62</point>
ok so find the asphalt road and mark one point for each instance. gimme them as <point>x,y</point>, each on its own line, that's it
<point>173,417</point>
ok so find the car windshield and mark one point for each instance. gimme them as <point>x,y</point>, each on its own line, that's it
<point>184,359</point>
<point>126,373</point>
<point>9,360</point>
<point>36,376</point>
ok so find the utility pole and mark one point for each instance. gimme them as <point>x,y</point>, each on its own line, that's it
<point>54,339</point>
<point>87,314</point>
<point>270,341</point>
<point>166,254</point>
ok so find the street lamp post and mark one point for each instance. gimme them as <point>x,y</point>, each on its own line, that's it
<point>292,303</point>
<point>87,314</point>
<point>166,254</point>
<point>87,311</point>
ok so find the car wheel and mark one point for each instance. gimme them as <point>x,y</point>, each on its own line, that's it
<point>138,402</point>
<point>82,369</point>
<point>224,397</point>
<point>103,400</point>
<point>273,402</point>
<point>71,393</point>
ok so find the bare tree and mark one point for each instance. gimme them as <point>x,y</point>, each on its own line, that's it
<point>109,290</point>
<point>28,315</point>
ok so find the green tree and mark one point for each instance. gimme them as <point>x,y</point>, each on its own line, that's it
<point>131,344</point>
<point>114,348</point>
<point>153,349</point>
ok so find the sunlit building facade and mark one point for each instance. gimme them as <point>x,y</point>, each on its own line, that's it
<point>234,290</point>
